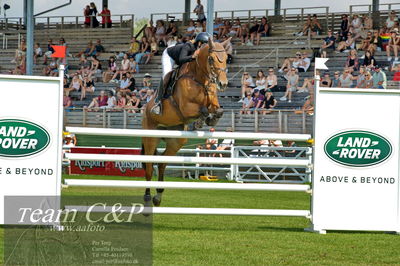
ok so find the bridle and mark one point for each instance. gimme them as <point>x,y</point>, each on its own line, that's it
<point>213,73</point>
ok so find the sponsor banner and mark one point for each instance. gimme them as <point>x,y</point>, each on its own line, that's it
<point>106,168</point>
<point>356,160</point>
<point>30,137</point>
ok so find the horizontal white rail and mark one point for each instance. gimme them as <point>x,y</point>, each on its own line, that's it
<point>186,185</point>
<point>197,211</point>
<point>187,160</point>
<point>185,134</point>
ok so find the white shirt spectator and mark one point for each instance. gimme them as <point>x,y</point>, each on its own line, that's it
<point>124,83</point>
<point>305,64</point>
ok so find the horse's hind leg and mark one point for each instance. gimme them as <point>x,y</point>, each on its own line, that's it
<point>149,148</point>
<point>173,146</point>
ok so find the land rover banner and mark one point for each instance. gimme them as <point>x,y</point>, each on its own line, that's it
<point>356,164</point>
<point>30,137</point>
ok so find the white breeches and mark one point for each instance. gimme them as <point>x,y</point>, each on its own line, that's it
<point>167,63</point>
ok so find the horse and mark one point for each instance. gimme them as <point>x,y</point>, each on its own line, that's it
<point>194,98</point>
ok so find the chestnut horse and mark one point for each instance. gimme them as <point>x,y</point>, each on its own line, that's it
<point>194,98</point>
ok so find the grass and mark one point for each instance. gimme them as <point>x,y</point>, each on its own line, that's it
<point>239,240</point>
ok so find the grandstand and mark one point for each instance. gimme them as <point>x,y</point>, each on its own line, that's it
<point>286,117</point>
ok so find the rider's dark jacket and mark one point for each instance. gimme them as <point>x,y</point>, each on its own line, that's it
<point>182,53</point>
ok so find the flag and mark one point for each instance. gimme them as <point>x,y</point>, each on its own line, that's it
<point>59,51</point>
<point>320,63</point>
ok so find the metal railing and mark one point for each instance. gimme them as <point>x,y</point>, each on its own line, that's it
<point>246,13</point>
<point>278,121</point>
<point>65,22</point>
<point>368,8</point>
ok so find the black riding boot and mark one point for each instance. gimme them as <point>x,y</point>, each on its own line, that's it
<point>157,101</point>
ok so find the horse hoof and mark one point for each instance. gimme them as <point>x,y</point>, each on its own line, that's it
<point>156,201</point>
<point>211,121</point>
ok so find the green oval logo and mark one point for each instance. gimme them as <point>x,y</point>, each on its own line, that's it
<point>358,148</point>
<point>19,138</point>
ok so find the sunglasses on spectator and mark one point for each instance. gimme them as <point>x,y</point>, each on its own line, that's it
<point>271,71</point>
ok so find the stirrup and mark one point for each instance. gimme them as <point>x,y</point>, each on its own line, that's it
<point>156,109</point>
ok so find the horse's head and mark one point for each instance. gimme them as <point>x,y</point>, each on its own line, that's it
<point>214,56</point>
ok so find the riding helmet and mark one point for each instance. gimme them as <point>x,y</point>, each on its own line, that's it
<point>201,37</point>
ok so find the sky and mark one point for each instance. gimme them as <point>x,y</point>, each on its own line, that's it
<point>143,8</point>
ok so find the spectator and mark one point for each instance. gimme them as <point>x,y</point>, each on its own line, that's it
<point>105,17</point>
<point>257,100</point>
<point>94,23</point>
<point>190,30</point>
<point>308,85</point>
<point>356,24</point>
<point>390,21</point>
<point>247,84</point>
<point>226,144</point>
<point>244,34</point>
<point>360,79</point>
<point>134,103</point>
<point>38,52</point>
<point>84,66</point>
<point>89,51</point>
<point>236,29</point>
<point>375,42</point>
<point>87,86</point>
<point>132,82</point>
<point>246,104</point>
<point>172,41</point>
<point>393,45</point>
<point>125,67</point>
<point>124,84</point>
<point>379,78</point>
<point>260,81</point>
<point>148,96</point>
<point>316,28</point>
<point>306,27</point>
<point>99,102</point>
<point>111,69</point>
<point>262,31</point>
<point>218,25</point>
<point>199,10</point>
<point>99,47</point>
<point>160,32</point>
<point>225,29</point>
<point>95,66</point>
<point>292,83</point>
<point>134,47</point>
<point>253,31</point>
<point>199,28</point>
<point>75,85</point>
<point>269,101</point>
<point>149,30</point>
<point>346,79</point>
<point>147,85</point>
<point>153,50</point>
<point>326,80</point>
<point>291,62</point>
<point>111,101</point>
<point>367,22</point>
<point>171,31</point>
<point>144,49</point>
<point>228,48</point>
<point>368,81</point>
<point>50,51</point>
<point>328,44</point>
<point>121,100</point>
<point>67,102</point>
<point>369,61</point>
<point>335,80</point>
<point>86,14</point>
<point>396,69</point>
<point>133,65</point>
<point>272,81</point>
<point>366,42</point>
<point>352,61</point>
<point>51,69</point>
<point>304,63</point>
<point>344,28</point>
<point>347,44</point>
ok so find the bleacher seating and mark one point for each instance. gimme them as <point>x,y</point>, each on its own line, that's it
<point>270,53</point>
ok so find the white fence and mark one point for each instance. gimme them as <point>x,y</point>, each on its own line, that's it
<point>196,160</point>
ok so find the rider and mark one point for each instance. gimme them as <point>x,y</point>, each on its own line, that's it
<point>178,54</point>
